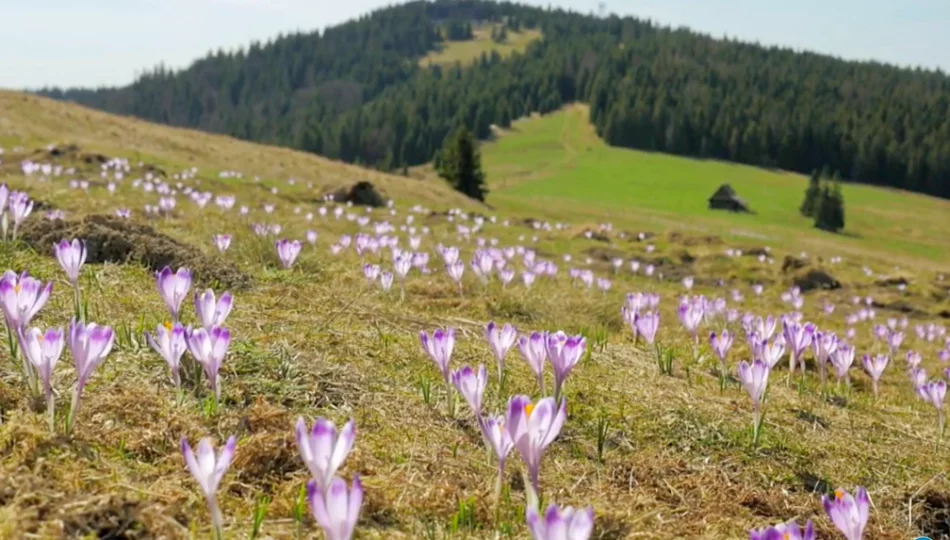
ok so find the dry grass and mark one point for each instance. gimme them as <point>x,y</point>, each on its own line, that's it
<point>317,341</point>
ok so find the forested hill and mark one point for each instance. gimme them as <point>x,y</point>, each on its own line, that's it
<point>357,93</point>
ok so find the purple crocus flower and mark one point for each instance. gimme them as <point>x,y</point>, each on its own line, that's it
<point>629,316</point>
<point>21,298</point>
<point>934,393</point>
<point>720,344</point>
<point>535,353</point>
<point>287,251</point>
<point>532,428</point>
<point>211,311</point>
<point>798,337</point>
<point>43,351</point>
<point>497,437</point>
<point>208,470</point>
<point>71,256</point>
<point>471,384</point>
<point>647,325</point>
<point>842,358</point>
<point>371,272</point>
<point>312,237</point>
<point>500,339</point>
<point>386,281</point>
<point>222,242</point>
<point>849,514</point>
<point>322,449</point>
<point>174,287</point>
<point>825,345</point>
<point>564,352</point>
<point>913,359</point>
<point>169,343</point>
<point>89,345</point>
<point>765,327</point>
<point>209,347</point>
<point>918,377</point>
<point>455,271</point>
<point>894,341</point>
<point>785,531</point>
<point>875,367</point>
<point>691,314</point>
<point>755,379</point>
<point>528,279</point>
<point>560,524</point>
<point>336,510</point>
<point>402,265</point>
<point>770,353</point>
<point>439,347</point>
<point>20,207</point>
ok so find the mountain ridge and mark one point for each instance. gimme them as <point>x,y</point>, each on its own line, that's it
<point>355,93</point>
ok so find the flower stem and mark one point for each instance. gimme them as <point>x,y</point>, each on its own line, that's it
<point>51,410</point>
<point>77,302</point>
<point>756,421</point>
<point>499,483</point>
<point>215,517</point>
<point>73,409</point>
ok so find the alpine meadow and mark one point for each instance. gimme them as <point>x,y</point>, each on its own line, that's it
<point>480,270</point>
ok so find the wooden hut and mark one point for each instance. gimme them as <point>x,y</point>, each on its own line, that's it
<point>725,198</point>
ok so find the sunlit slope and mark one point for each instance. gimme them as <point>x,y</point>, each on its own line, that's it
<point>36,121</point>
<point>556,166</point>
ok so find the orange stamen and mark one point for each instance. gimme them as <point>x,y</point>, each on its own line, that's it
<point>528,409</point>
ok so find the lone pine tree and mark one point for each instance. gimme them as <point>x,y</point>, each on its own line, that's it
<point>460,163</point>
<point>829,212</point>
<point>812,195</point>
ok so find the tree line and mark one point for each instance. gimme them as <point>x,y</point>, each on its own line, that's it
<point>357,93</point>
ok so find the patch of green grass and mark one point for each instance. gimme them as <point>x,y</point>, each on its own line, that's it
<point>555,167</point>
<point>466,52</point>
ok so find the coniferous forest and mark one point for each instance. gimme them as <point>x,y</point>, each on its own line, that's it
<point>356,92</point>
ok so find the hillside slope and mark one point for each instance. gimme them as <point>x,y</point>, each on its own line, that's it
<point>649,87</point>
<point>556,167</point>
<point>657,453</point>
<point>37,121</point>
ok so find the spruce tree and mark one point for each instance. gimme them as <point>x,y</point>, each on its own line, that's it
<point>461,164</point>
<point>812,194</point>
<point>829,212</point>
<point>837,199</point>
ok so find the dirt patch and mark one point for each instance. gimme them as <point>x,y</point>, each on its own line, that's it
<point>641,236</point>
<point>900,306</point>
<point>117,240</point>
<point>591,234</point>
<point>933,514</point>
<point>603,254</point>
<point>763,505</point>
<point>815,279</point>
<point>793,263</point>
<point>891,281</point>
<point>611,527</point>
<point>813,484</point>
<point>266,460</point>
<point>117,517</point>
<point>811,418</point>
<point>361,194</point>
<point>686,240</point>
<point>685,257</point>
<point>756,251</point>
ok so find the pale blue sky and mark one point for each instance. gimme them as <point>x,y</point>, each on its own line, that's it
<point>96,42</point>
